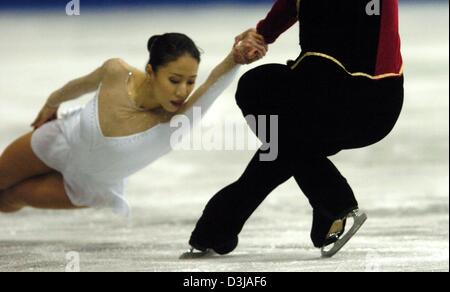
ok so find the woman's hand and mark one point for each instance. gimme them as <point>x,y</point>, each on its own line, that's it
<point>48,113</point>
<point>249,47</point>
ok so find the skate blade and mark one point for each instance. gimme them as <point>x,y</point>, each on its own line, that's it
<point>196,254</point>
<point>359,220</point>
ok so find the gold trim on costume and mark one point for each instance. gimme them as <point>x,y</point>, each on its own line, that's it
<point>345,69</point>
<point>298,9</point>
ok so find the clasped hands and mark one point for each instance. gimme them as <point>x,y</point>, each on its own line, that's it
<point>249,47</point>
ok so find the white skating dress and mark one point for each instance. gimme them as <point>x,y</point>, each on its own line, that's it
<point>95,168</point>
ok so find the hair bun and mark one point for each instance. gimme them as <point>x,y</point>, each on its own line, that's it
<point>151,42</point>
<point>169,47</point>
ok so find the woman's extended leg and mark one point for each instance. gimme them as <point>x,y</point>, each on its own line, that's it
<point>43,192</point>
<point>18,162</point>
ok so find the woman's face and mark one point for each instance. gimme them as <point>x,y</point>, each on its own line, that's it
<point>174,82</point>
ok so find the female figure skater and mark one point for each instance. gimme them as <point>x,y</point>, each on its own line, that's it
<point>344,91</point>
<point>83,158</point>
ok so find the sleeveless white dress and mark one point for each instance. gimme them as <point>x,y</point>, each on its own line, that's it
<point>95,168</point>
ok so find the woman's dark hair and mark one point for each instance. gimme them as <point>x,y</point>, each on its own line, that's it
<point>169,47</point>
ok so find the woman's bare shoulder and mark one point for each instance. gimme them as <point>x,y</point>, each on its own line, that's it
<point>116,80</point>
<point>113,69</point>
<point>116,67</point>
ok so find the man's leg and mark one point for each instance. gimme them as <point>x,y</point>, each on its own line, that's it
<point>226,213</point>
<point>261,91</point>
<point>327,190</point>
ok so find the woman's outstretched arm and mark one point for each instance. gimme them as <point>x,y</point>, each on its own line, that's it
<point>220,70</point>
<point>217,82</point>
<point>250,42</point>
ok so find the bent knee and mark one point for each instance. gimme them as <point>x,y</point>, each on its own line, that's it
<point>249,82</point>
<point>19,162</point>
<point>8,204</point>
<point>5,182</point>
<point>260,85</point>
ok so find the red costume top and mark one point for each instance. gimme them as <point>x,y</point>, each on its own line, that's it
<point>361,36</point>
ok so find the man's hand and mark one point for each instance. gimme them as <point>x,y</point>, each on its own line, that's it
<point>249,47</point>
